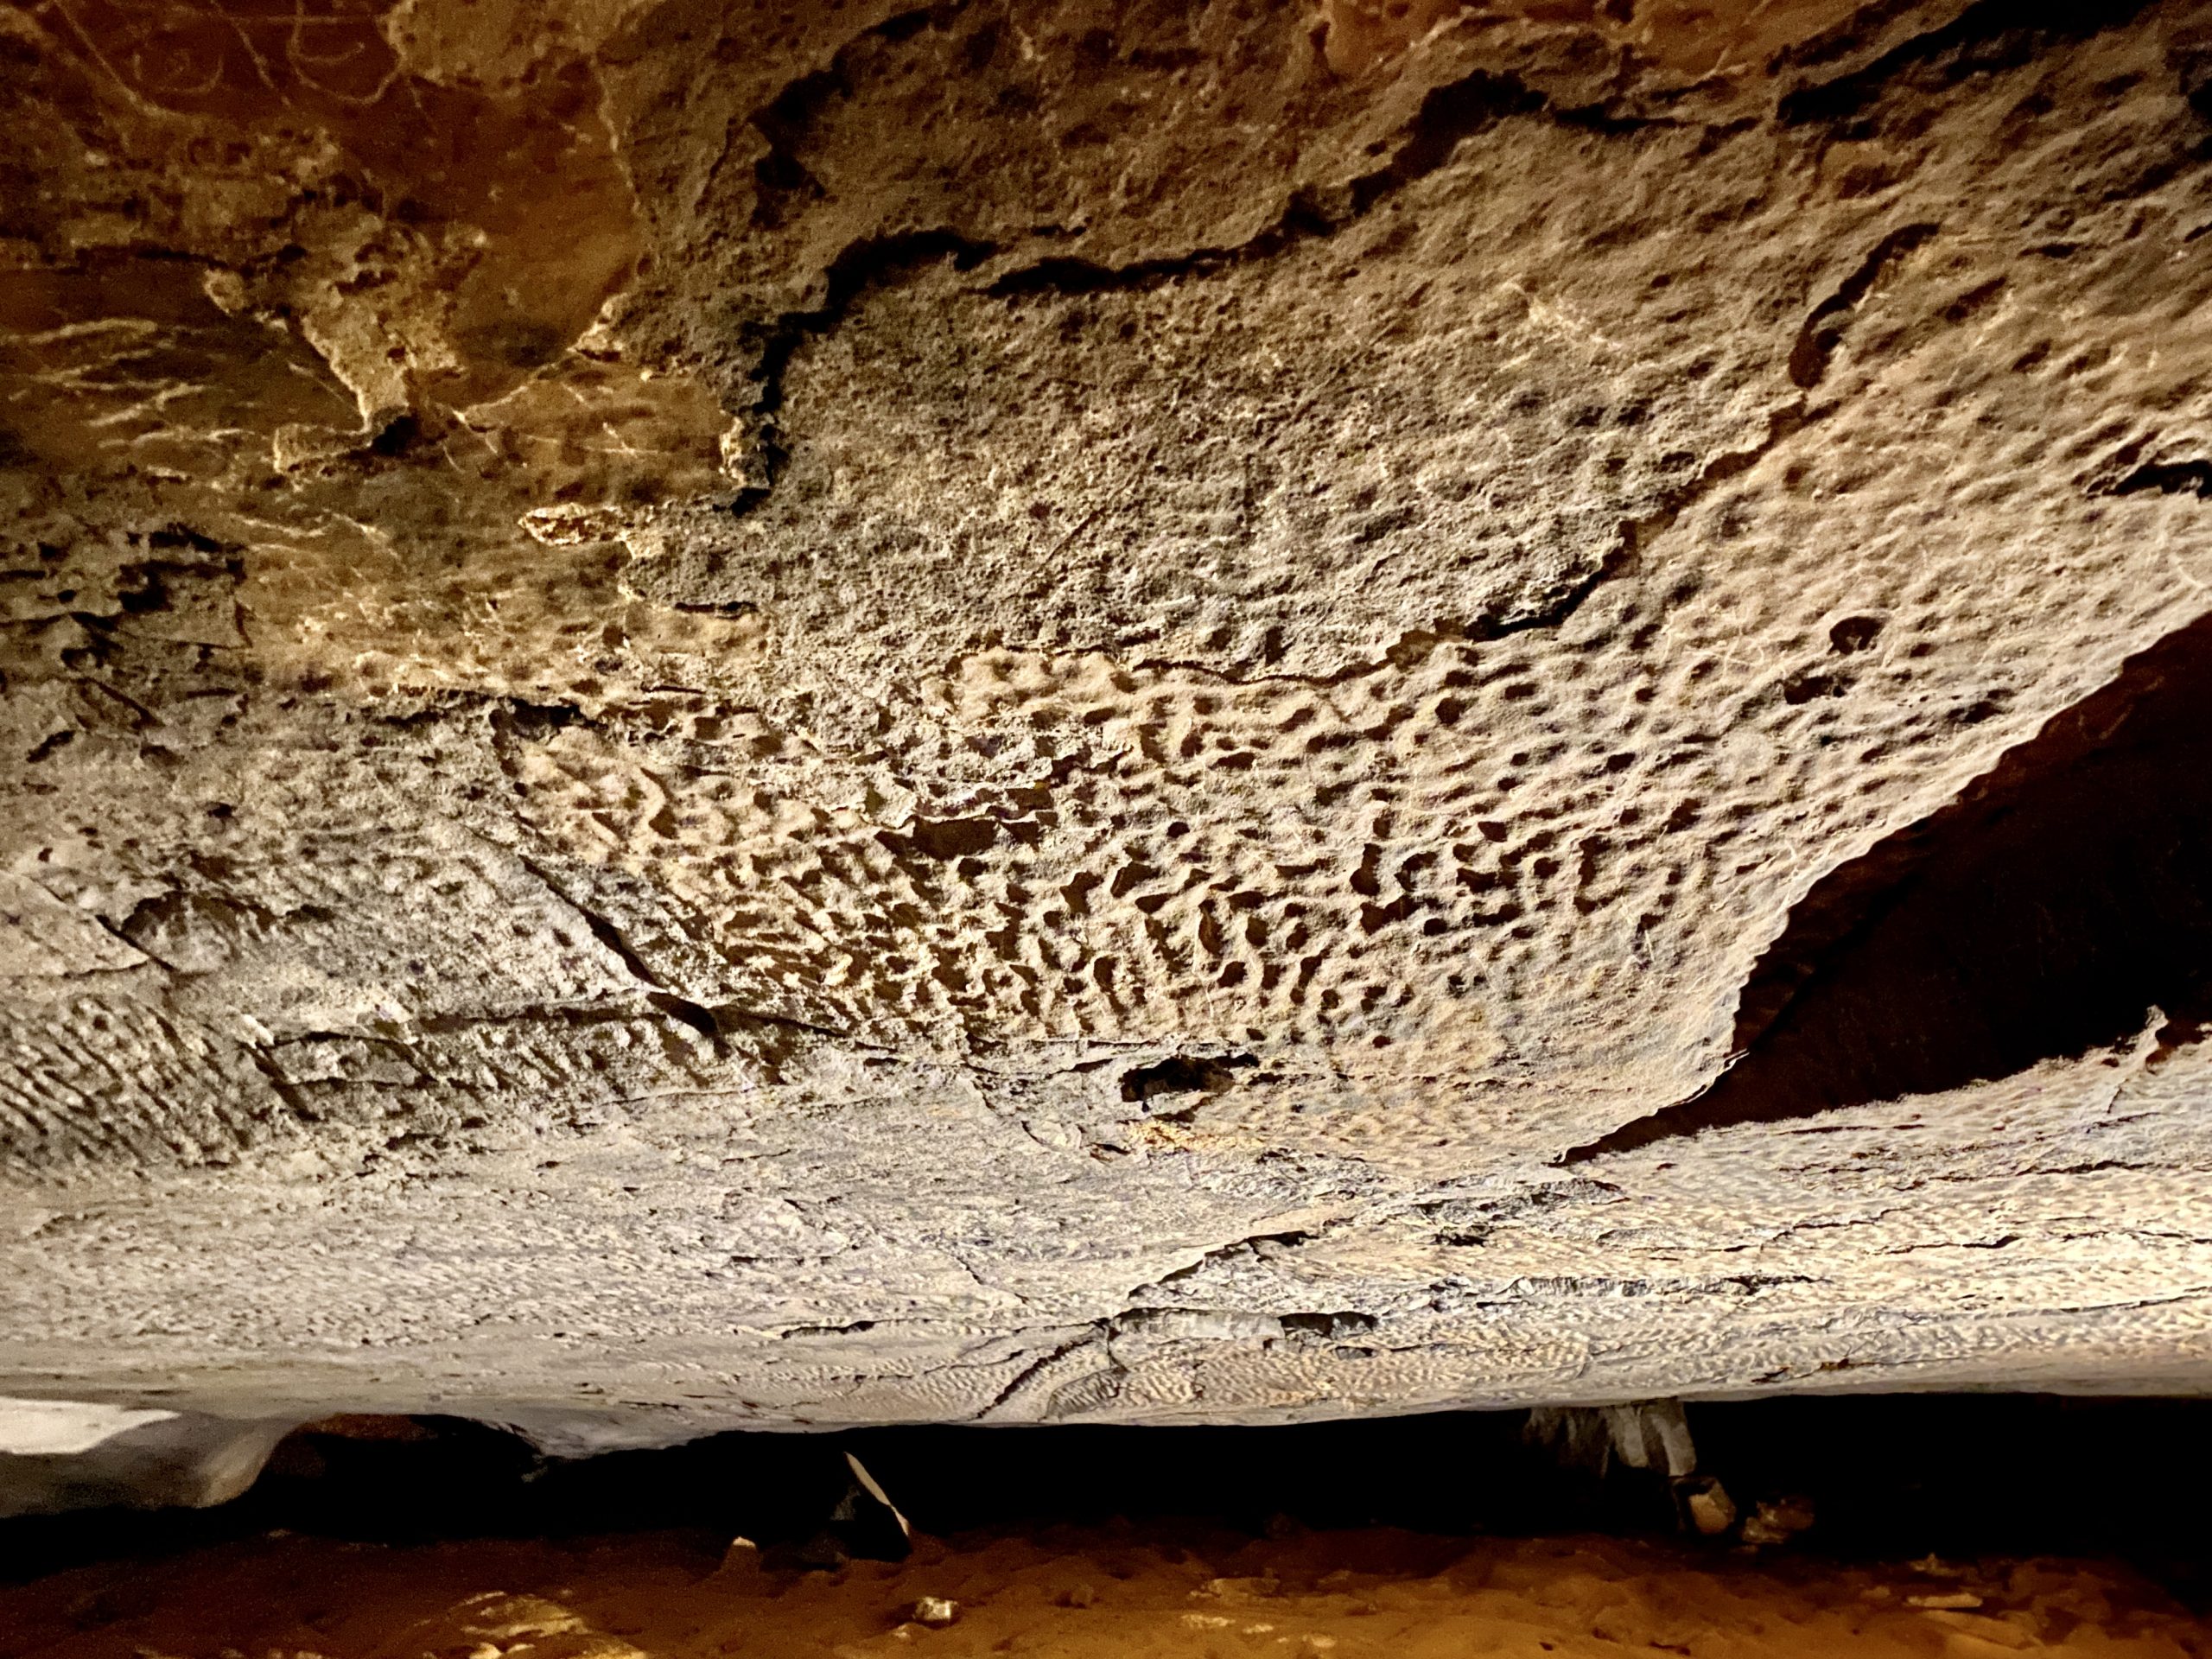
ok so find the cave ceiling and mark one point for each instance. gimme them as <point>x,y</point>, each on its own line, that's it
<point>1009,711</point>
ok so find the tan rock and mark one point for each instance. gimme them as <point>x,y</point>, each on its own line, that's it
<point>717,714</point>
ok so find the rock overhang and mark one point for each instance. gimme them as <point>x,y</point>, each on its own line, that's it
<point>1015,713</point>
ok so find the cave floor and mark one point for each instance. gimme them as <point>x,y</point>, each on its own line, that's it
<point>1154,1590</point>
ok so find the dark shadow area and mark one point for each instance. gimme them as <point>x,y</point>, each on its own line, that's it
<point>2044,913</point>
<point>1986,38</point>
<point>1898,1476</point>
<point>1885,1477</point>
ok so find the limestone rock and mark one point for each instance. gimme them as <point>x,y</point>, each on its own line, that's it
<point>57,1456</point>
<point>1021,710</point>
<point>936,1610</point>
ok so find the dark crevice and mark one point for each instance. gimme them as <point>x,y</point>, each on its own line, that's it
<point>534,722</point>
<point>398,437</point>
<point>1846,38</point>
<point>610,936</point>
<point>1036,1367</point>
<point>1974,1478</point>
<point>48,745</point>
<point>2171,478</point>
<point>783,187</point>
<point>604,930</point>
<point>686,1012</point>
<point>1551,611</point>
<point>284,1088</point>
<point>1332,1327</point>
<point>1067,275</point>
<point>1823,329</point>
<point>1184,1074</point>
<point>1448,115</point>
<point>945,840</point>
<point>781,180</point>
<point>731,1017</point>
<point>862,266</point>
<point>2043,914</point>
<point>1987,38</point>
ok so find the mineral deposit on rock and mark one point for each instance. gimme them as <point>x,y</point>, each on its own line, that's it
<point>1033,709</point>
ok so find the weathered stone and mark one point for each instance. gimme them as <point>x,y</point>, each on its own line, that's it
<point>57,1456</point>
<point>1033,711</point>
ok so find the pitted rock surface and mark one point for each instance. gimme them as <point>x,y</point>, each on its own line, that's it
<point>1018,711</point>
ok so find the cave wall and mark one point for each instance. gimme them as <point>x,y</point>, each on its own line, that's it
<point>1017,711</point>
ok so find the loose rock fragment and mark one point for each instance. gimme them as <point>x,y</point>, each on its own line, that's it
<point>1708,1506</point>
<point>1776,1521</point>
<point>1947,1600</point>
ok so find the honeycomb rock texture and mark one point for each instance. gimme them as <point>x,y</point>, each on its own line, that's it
<point>1007,710</point>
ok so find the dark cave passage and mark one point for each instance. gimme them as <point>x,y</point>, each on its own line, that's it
<point>1878,1476</point>
<point>2045,913</point>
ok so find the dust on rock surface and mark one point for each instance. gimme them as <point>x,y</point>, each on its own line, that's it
<point>1346,1595</point>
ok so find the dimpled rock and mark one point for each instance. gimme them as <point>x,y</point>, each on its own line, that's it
<point>1014,711</point>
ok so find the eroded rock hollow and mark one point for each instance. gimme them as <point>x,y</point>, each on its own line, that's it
<point>1034,709</point>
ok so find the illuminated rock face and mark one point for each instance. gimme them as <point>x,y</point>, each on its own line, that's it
<point>1007,712</point>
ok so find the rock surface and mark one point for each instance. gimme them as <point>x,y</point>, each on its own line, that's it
<point>1013,710</point>
<point>56,1456</point>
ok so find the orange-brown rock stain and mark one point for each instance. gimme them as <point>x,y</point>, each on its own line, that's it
<point>511,195</point>
<point>352,243</point>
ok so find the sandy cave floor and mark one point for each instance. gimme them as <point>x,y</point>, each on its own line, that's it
<point>1113,1591</point>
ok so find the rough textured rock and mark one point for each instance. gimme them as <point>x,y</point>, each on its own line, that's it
<point>1017,711</point>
